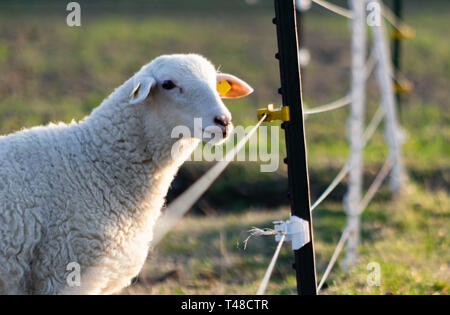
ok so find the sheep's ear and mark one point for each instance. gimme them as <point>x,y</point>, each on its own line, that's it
<point>141,89</point>
<point>230,86</point>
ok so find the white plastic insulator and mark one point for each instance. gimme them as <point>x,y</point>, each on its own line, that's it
<point>296,231</point>
<point>303,5</point>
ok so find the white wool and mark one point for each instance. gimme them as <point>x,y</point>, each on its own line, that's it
<point>90,192</point>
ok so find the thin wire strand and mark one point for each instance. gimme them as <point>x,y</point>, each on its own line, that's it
<point>344,101</point>
<point>339,177</point>
<point>335,8</point>
<point>255,231</point>
<point>344,237</point>
<point>370,64</point>
<point>394,20</point>
<point>265,280</point>
<point>376,184</point>
<point>373,125</point>
<point>186,200</point>
<point>368,133</point>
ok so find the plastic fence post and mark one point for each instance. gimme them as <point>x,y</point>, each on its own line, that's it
<point>285,20</point>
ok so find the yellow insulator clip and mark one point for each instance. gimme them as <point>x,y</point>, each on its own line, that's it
<point>405,32</point>
<point>403,86</point>
<point>281,113</point>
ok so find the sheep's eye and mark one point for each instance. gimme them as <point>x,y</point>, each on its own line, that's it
<point>168,85</point>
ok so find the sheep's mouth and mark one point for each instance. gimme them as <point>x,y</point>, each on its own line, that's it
<point>216,137</point>
<point>225,133</point>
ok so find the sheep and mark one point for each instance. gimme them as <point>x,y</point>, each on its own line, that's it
<point>88,193</point>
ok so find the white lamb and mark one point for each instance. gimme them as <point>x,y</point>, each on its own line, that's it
<point>90,192</point>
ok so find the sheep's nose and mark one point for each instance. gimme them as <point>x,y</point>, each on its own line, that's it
<point>222,120</point>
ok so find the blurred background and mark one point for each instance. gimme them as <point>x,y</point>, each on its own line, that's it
<point>52,72</point>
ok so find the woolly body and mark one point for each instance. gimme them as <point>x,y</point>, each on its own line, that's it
<point>91,192</point>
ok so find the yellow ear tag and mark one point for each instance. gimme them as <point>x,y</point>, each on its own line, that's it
<point>223,87</point>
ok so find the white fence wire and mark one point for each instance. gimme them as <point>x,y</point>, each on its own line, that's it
<point>268,273</point>
<point>186,200</point>
<point>384,171</point>
<point>335,8</point>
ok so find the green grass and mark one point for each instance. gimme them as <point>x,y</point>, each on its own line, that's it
<point>408,238</point>
<point>50,72</point>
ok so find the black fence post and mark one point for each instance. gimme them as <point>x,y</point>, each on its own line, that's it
<point>286,23</point>
<point>300,32</point>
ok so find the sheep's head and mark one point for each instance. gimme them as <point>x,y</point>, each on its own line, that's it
<point>182,89</point>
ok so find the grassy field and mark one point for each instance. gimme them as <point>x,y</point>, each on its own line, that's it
<point>207,256</point>
<point>51,72</point>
